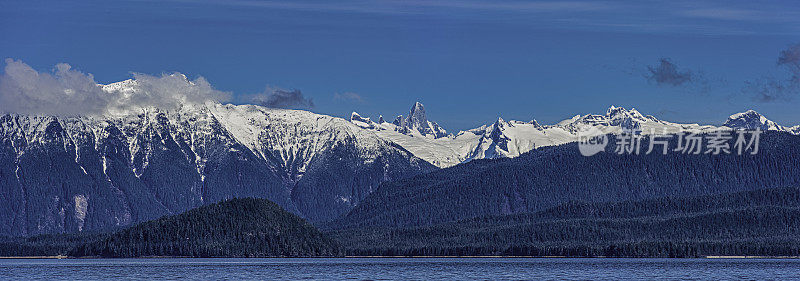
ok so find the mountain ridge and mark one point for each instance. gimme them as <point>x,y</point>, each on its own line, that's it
<point>511,138</point>
<point>77,173</point>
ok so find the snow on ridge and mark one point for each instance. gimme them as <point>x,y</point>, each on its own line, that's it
<point>363,122</point>
<point>296,136</point>
<point>511,138</point>
<point>291,136</point>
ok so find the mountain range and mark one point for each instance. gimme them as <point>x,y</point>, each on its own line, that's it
<point>61,174</point>
<point>78,173</point>
<point>501,139</point>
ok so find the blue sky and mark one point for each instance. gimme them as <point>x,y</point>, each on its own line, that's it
<point>469,62</point>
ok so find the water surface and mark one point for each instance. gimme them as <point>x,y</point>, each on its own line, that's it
<point>398,269</point>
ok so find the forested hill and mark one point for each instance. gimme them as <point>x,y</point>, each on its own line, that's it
<point>763,222</point>
<point>235,228</point>
<point>552,176</point>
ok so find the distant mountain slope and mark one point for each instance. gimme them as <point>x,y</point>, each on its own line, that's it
<point>760,222</point>
<point>244,227</point>
<point>555,175</point>
<point>79,173</point>
<point>329,163</point>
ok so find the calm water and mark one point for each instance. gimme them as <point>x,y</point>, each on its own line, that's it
<point>398,268</point>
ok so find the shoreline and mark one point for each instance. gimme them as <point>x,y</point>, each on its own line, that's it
<point>403,257</point>
<point>34,257</point>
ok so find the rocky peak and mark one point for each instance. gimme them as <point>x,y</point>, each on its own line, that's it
<point>363,122</point>
<point>751,120</point>
<point>399,121</point>
<point>417,119</point>
<point>627,119</point>
<point>497,135</point>
<point>617,113</point>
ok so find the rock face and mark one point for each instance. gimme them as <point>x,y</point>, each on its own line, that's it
<point>417,122</point>
<point>95,172</point>
<point>417,119</point>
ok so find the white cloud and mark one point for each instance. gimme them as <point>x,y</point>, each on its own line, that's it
<point>67,91</point>
<point>64,92</point>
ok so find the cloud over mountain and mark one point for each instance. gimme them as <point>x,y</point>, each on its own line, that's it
<point>66,91</point>
<point>170,91</point>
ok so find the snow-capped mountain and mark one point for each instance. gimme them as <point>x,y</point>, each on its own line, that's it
<point>751,120</point>
<point>129,164</point>
<point>415,124</point>
<point>618,119</point>
<point>512,138</point>
<point>66,174</point>
<point>500,139</point>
